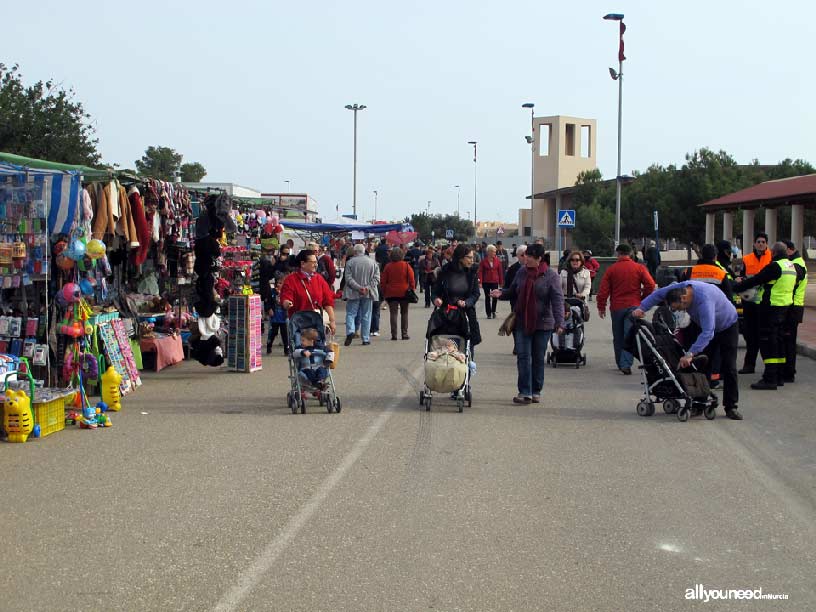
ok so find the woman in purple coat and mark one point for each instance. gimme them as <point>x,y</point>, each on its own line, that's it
<point>539,311</point>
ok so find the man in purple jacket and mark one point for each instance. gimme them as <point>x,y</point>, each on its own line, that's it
<point>716,315</point>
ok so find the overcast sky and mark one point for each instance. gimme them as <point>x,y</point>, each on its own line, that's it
<point>255,91</point>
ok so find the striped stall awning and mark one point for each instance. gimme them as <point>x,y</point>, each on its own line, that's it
<point>59,190</point>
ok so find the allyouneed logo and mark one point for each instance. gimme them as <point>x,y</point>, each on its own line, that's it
<point>700,593</point>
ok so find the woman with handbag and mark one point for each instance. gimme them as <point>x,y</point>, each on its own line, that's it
<point>576,280</point>
<point>307,290</point>
<point>539,311</point>
<point>398,285</point>
<point>458,285</point>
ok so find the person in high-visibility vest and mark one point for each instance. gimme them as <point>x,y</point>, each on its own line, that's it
<point>753,262</point>
<point>795,312</point>
<point>775,283</point>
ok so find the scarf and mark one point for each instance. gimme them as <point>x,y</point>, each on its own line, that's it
<point>526,305</point>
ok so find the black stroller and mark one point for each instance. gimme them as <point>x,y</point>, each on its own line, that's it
<point>684,393</point>
<point>567,347</point>
<point>300,389</point>
<point>448,339</point>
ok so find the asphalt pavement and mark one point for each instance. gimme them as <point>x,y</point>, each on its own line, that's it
<point>208,494</point>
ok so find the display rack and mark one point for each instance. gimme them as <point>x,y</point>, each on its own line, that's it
<point>244,340</point>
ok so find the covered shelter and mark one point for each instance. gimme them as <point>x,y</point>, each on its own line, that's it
<point>798,192</point>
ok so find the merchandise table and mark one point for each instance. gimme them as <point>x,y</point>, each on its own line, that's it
<point>168,349</point>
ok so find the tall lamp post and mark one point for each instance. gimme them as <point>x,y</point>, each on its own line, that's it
<point>288,185</point>
<point>458,193</point>
<point>473,142</point>
<point>375,204</point>
<point>618,76</point>
<point>355,108</point>
<point>531,142</point>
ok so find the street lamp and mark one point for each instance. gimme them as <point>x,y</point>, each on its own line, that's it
<point>428,209</point>
<point>288,183</point>
<point>355,108</point>
<point>531,141</point>
<point>458,193</point>
<point>375,204</point>
<point>473,142</point>
<point>618,76</point>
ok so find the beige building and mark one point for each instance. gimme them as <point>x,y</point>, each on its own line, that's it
<point>490,228</point>
<point>562,148</point>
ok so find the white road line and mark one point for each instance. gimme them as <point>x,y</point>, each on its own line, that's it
<point>263,563</point>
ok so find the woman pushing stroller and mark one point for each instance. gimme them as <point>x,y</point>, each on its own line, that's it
<point>458,285</point>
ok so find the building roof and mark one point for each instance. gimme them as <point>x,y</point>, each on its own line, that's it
<point>770,194</point>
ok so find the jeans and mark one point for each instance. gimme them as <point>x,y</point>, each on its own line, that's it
<point>361,308</point>
<point>531,359</point>
<point>621,323</point>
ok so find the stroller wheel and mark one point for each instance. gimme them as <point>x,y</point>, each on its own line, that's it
<point>683,414</point>
<point>645,408</point>
<point>549,357</point>
<point>421,397</point>
<point>710,412</point>
<point>469,396</point>
<point>321,399</point>
<point>584,359</point>
<point>326,400</point>
<point>302,405</point>
<point>671,406</point>
<point>427,403</point>
<point>290,400</point>
<point>337,405</point>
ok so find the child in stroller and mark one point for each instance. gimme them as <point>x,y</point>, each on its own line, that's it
<point>313,359</point>
<point>567,346</point>
<point>310,363</point>
<point>683,392</point>
<point>448,357</point>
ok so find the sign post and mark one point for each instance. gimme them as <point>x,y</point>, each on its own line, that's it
<point>566,220</point>
<point>657,239</point>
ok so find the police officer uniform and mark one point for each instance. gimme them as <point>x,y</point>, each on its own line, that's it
<point>750,310</point>
<point>775,283</point>
<point>795,313</point>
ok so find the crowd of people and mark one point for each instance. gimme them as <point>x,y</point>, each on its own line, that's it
<point>767,284</point>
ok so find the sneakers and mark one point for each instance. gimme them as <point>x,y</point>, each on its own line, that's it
<point>626,371</point>
<point>349,340</point>
<point>763,385</point>
<point>522,399</point>
<point>406,337</point>
<point>536,399</point>
<point>376,333</point>
<point>366,343</point>
<point>733,413</point>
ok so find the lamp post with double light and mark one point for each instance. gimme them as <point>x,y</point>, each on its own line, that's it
<point>354,108</point>
<point>531,141</point>
<point>618,76</point>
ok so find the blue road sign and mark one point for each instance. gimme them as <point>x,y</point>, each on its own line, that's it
<point>566,218</point>
<point>448,234</point>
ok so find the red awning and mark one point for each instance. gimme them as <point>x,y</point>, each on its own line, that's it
<point>781,192</point>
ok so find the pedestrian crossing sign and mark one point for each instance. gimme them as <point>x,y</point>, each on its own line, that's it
<point>566,218</point>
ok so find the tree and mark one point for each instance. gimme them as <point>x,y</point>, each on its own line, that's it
<point>44,121</point>
<point>424,224</point>
<point>160,163</point>
<point>192,172</point>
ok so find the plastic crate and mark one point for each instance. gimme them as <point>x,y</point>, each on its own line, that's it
<point>50,416</point>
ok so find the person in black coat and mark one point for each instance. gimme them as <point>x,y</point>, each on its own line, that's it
<point>510,275</point>
<point>458,285</point>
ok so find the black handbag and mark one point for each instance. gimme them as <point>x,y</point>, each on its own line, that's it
<point>411,296</point>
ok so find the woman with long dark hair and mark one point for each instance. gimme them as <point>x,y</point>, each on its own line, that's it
<point>458,285</point>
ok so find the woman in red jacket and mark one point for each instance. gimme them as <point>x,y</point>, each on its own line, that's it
<point>397,278</point>
<point>491,276</point>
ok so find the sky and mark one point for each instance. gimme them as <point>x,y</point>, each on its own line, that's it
<point>255,91</point>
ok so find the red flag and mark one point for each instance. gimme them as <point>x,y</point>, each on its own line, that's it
<point>621,56</point>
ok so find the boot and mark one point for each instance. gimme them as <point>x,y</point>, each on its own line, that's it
<point>763,385</point>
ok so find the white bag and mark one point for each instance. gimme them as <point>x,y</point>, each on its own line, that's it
<point>446,374</point>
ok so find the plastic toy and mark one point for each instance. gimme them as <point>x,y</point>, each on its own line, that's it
<point>110,389</point>
<point>17,420</point>
<point>77,250</point>
<point>95,249</point>
<point>71,292</point>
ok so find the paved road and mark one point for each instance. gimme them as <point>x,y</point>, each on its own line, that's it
<point>207,494</point>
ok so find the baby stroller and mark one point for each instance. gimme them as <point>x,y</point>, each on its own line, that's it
<point>300,390</point>
<point>448,357</point>
<point>566,347</point>
<point>684,393</point>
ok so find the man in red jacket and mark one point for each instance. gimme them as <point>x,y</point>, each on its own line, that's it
<point>626,284</point>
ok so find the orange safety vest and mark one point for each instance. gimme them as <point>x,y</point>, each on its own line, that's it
<point>753,264</point>
<point>707,273</point>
